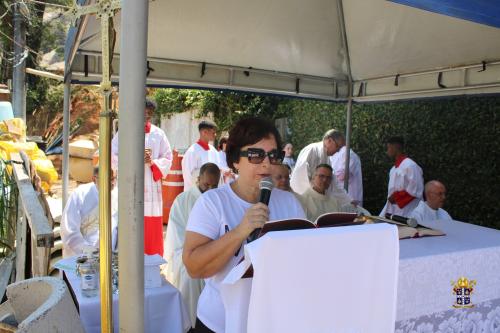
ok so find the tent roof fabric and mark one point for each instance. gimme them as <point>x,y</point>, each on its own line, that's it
<point>293,47</point>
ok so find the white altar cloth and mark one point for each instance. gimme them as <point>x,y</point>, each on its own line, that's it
<point>164,310</point>
<point>340,279</point>
<point>427,267</point>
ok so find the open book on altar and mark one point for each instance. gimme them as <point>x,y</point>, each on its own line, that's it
<point>323,221</point>
<point>419,231</point>
<point>405,231</point>
<point>347,219</point>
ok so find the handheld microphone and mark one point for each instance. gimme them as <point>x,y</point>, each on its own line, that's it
<point>410,221</point>
<point>266,186</point>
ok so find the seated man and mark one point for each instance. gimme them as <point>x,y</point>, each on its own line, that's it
<point>80,219</point>
<point>431,209</point>
<point>314,200</point>
<point>174,242</point>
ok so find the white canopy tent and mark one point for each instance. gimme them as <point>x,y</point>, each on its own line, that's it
<point>294,47</point>
<point>351,50</point>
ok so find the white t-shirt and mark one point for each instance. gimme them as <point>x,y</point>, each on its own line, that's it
<point>216,212</point>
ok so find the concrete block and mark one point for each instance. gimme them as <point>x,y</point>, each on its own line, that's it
<point>82,148</point>
<point>44,305</point>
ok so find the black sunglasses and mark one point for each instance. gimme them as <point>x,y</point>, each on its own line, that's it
<point>257,155</point>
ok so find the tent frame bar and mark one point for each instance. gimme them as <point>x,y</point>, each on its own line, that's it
<point>228,67</point>
<point>193,84</point>
<point>368,98</point>
<point>432,71</point>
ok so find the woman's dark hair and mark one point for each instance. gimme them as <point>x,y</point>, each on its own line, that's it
<point>247,132</point>
<point>222,141</point>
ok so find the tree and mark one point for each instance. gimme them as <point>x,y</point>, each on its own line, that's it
<point>227,107</point>
<point>40,37</point>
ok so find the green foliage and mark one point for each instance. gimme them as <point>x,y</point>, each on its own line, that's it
<point>454,140</point>
<point>41,37</point>
<point>171,101</point>
<point>36,93</point>
<point>226,106</point>
<point>55,98</point>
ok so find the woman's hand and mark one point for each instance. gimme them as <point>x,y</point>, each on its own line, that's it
<point>255,217</point>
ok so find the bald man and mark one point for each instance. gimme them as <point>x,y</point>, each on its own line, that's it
<point>281,177</point>
<point>431,209</point>
<point>176,273</point>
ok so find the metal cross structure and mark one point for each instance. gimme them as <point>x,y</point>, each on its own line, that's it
<point>103,10</point>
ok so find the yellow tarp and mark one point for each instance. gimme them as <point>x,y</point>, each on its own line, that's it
<point>13,129</point>
<point>43,166</point>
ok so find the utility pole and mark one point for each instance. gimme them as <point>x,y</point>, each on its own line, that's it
<point>20,54</point>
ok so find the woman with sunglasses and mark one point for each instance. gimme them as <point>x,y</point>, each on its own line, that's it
<point>223,218</point>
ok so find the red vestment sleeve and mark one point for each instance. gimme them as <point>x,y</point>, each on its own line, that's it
<point>156,172</point>
<point>403,198</point>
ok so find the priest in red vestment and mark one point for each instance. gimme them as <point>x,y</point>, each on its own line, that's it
<point>157,161</point>
<point>406,182</point>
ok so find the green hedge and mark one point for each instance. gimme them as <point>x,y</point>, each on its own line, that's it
<point>454,140</point>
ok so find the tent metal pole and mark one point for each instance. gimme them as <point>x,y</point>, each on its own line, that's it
<point>349,98</point>
<point>66,122</point>
<point>348,143</point>
<point>20,55</point>
<point>44,74</point>
<point>133,51</point>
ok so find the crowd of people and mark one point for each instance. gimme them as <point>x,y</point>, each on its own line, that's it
<point>211,220</point>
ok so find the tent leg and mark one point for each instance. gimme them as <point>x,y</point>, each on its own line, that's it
<point>348,143</point>
<point>134,36</point>
<point>66,122</point>
<point>19,74</point>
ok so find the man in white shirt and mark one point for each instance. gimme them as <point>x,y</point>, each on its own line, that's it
<point>309,158</point>
<point>157,161</point>
<point>355,188</point>
<point>406,182</point>
<point>176,272</point>
<point>314,200</point>
<point>80,219</point>
<point>200,153</point>
<point>431,209</point>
